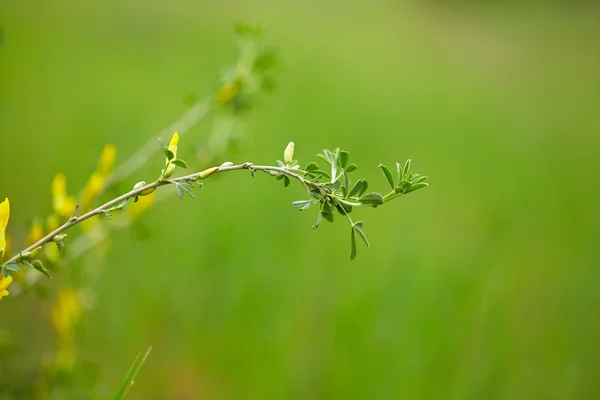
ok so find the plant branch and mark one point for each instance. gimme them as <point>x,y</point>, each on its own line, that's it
<point>158,183</point>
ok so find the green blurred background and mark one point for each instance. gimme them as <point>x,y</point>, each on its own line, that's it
<point>484,285</point>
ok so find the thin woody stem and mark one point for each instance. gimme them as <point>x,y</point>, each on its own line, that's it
<point>136,192</point>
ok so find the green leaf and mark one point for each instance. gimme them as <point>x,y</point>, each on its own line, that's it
<point>131,375</point>
<point>280,163</point>
<point>286,181</point>
<point>358,227</point>
<point>116,207</point>
<point>4,272</point>
<point>179,163</point>
<point>319,172</point>
<point>333,187</point>
<point>419,180</point>
<point>346,183</point>
<point>352,245</point>
<point>324,157</point>
<point>364,188</point>
<point>301,204</point>
<point>416,186</point>
<point>183,188</point>
<point>388,175</point>
<point>351,167</point>
<point>180,191</point>
<point>357,189</point>
<point>168,153</point>
<point>327,211</point>
<point>311,166</point>
<point>406,170</point>
<point>399,171</point>
<point>344,157</point>
<point>12,266</point>
<point>315,192</point>
<point>343,209</point>
<point>317,222</point>
<point>373,199</point>
<point>344,191</point>
<point>39,266</point>
<point>188,184</point>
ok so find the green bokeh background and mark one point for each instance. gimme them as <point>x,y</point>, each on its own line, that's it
<point>484,285</point>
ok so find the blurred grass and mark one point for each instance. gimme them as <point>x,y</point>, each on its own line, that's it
<point>482,286</point>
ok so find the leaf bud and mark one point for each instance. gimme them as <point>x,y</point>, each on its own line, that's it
<point>288,154</point>
<point>207,172</point>
<point>59,238</point>
<point>168,171</point>
<point>35,252</point>
<point>139,185</point>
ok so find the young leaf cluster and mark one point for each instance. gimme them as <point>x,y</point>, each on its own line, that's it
<point>331,189</point>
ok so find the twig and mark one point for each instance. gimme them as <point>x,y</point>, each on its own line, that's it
<point>159,183</point>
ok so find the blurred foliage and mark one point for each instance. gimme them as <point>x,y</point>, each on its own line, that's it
<point>483,288</point>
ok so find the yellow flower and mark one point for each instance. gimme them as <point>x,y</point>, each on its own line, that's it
<point>63,204</point>
<point>173,144</point>
<point>4,283</point>
<point>143,204</point>
<point>4,215</point>
<point>169,166</point>
<point>7,248</point>
<point>107,159</point>
<point>66,313</point>
<point>92,190</point>
<point>36,233</point>
<point>52,223</point>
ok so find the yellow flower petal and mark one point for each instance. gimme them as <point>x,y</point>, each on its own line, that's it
<point>52,254</point>
<point>4,216</point>
<point>143,204</point>
<point>174,141</point>
<point>52,223</point>
<point>4,213</point>
<point>36,233</point>
<point>173,146</point>
<point>5,282</point>
<point>107,159</point>
<point>67,207</point>
<point>4,293</point>
<point>7,249</point>
<point>62,204</point>
<point>59,186</point>
<point>92,190</point>
<point>66,312</point>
